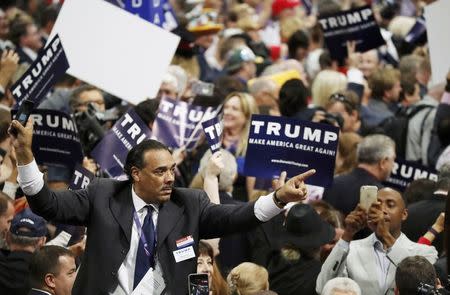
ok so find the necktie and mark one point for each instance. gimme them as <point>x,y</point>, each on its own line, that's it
<point>146,253</point>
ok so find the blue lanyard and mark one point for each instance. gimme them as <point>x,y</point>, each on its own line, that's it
<point>142,236</point>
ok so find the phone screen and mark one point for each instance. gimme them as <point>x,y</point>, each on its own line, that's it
<point>24,111</point>
<point>198,284</point>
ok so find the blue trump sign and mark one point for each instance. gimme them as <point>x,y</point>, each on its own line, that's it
<point>277,144</point>
<point>81,178</point>
<point>112,150</point>
<point>50,65</point>
<point>405,172</point>
<point>158,12</point>
<point>178,123</point>
<point>352,25</point>
<point>213,133</point>
<point>55,139</point>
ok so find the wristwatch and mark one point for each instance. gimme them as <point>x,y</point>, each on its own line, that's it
<point>278,202</point>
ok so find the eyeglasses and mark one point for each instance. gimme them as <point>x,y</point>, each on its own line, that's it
<point>342,98</point>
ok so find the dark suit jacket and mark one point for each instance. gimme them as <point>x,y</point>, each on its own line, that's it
<point>14,272</point>
<point>264,239</point>
<point>344,193</point>
<point>106,208</point>
<point>234,248</point>
<point>293,278</point>
<point>421,216</point>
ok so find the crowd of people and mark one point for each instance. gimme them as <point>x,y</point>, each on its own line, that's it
<point>184,211</point>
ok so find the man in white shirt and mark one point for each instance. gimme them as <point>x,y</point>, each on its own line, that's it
<point>143,234</point>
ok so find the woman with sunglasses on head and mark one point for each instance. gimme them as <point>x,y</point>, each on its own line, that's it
<point>346,105</point>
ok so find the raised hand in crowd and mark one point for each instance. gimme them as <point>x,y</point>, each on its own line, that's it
<point>294,190</point>
<point>378,221</point>
<point>354,58</point>
<point>8,66</point>
<point>179,155</point>
<point>354,222</point>
<point>23,141</point>
<point>90,165</point>
<point>435,229</point>
<point>210,182</point>
<point>78,248</point>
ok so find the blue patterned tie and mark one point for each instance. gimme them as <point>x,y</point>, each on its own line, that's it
<point>145,260</point>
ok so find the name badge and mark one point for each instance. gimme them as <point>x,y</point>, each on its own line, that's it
<point>151,283</point>
<point>184,254</point>
<point>184,242</point>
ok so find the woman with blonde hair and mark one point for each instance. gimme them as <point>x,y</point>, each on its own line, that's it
<point>238,108</point>
<point>248,279</point>
<point>325,84</point>
<point>346,159</point>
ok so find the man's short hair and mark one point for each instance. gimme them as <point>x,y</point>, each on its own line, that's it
<point>411,272</point>
<point>75,96</point>
<point>135,156</point>
<point>49,15</point>
<point>341,284</point>
<point>4,201</point>
<point>45,261</point>
<point>374,148</point>
<point>383,80</point>
<point>147,110</point>
<point>18,29</point>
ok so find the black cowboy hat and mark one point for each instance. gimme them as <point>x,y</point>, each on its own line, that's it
<point>304,229</point>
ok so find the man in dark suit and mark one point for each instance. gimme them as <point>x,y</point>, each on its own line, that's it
<point>27,40</point>
<point>375,155</point>
<point>52,271</point>
<point>142,234</point>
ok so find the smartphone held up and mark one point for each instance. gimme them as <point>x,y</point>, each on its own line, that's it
<point>198,284</point>
<point>23,113</point>
<point>367,196</point>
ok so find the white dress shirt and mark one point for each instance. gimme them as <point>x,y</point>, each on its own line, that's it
<point>125,274</point>
<point>31,181</point>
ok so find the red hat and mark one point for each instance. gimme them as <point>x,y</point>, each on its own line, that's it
<point>279,5</point>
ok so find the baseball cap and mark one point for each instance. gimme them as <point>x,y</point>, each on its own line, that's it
<point>240,55</point>
<point>279,5</point>
<point>205,23</point>
<point>27,224</point>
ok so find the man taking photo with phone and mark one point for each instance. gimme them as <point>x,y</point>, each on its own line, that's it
<point>372,262</point>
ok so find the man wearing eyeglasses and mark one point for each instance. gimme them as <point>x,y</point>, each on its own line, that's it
<point>84,95</point>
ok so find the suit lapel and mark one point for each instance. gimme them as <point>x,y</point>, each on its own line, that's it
<point>122,209</point>
<point>169,214</point>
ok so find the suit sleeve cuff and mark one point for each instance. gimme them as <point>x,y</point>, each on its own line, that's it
<point>30,179</point>
<point>265,208</point>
